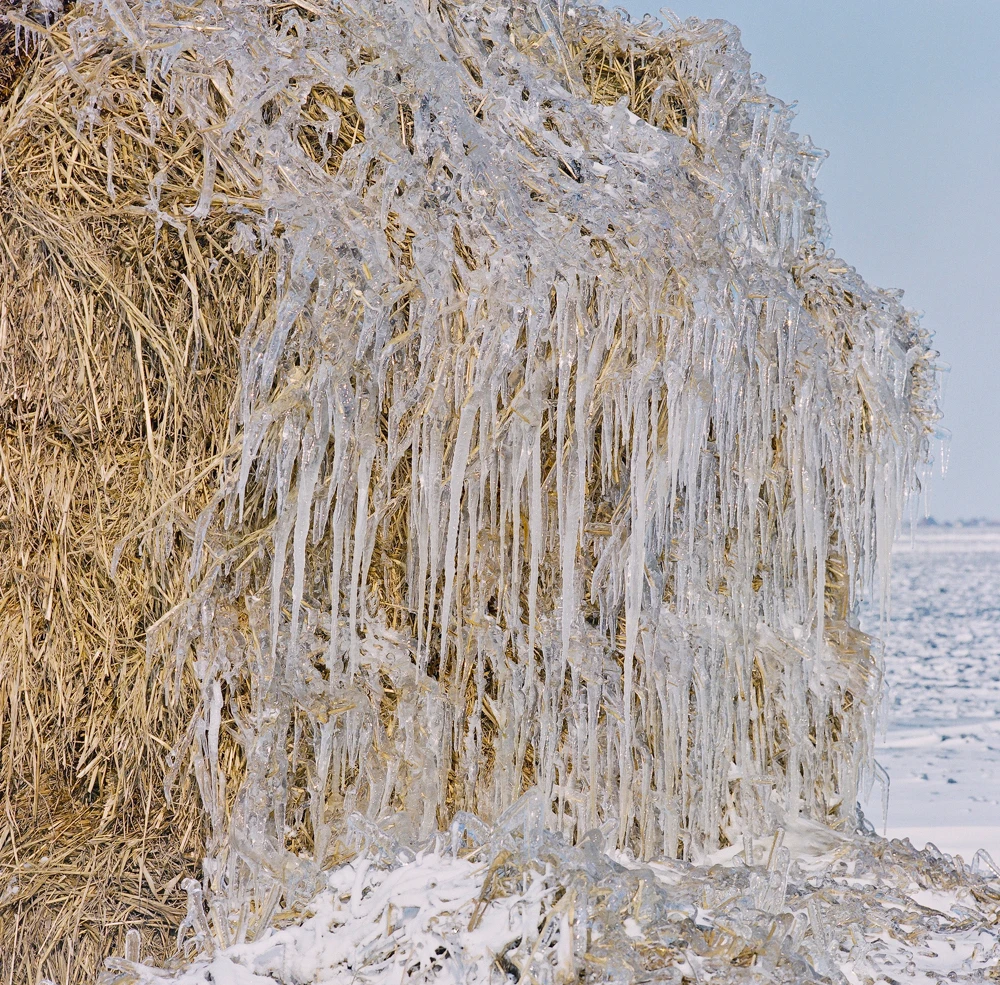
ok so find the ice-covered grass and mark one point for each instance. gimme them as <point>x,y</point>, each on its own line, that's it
<point>557,451</point>
<point>563,453</point>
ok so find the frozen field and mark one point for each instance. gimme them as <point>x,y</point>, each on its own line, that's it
<point>941,746</point>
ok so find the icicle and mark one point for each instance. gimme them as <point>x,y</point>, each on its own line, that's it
<point>561,449</point>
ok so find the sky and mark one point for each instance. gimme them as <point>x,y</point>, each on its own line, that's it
<point>903,95</point>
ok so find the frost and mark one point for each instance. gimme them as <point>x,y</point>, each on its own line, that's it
<point>563,450</point>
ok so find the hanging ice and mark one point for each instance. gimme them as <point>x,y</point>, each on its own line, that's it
<point>563,444</point>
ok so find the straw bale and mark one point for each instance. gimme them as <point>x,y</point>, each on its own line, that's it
<point>221,627</point>
<point>118,363</point>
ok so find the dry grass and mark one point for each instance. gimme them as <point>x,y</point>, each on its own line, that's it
<point>117,368</point>
<point>643,68</point>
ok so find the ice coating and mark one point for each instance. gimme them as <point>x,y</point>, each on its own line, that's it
<point>563,446</point>
<point>818,906</point>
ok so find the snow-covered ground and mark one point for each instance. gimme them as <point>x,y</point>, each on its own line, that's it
<point>823,906</point>
<point>941,747</point>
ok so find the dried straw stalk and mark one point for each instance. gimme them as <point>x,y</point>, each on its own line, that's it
<point>118,363</point>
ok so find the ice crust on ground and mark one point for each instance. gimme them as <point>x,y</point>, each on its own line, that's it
<point>561,455</point>
<point>943,638</point>
<point>817,906</point>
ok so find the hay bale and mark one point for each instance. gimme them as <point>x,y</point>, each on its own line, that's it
<point>118,362</point>
<point>411,407</point>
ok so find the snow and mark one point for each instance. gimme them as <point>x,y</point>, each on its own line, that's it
<point>543,911</point>
<point>941,746</point>
<point>399,924</point>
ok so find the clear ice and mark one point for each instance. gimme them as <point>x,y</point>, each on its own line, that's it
<point>563,451</point>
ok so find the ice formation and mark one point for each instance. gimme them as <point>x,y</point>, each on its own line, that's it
<point>563,445</point>
<point>819,906</point>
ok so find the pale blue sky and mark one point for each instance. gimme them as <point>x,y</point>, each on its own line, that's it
<point>905,95</point>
